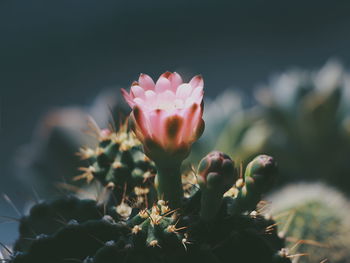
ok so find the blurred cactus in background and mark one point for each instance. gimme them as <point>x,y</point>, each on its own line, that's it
<point>303,118</point>
<point>231,125</point>
<point>218,112</point>
<point>153,211</point>
<point>51,157</point>
<point>315,219</point>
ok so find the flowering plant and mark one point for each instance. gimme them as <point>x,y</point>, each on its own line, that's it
<point>149,209</point>
<point>167,115</point>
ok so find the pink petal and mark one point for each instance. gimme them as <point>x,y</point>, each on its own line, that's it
<point>156,118</point>
<point>173,126</point>
<point>197,81</point>
<point>193,115</point>
<point>166,75</point>
<point>197,94</point>
<point>175,80</point>
<point>167,97</point>
<point>198,131</point>
<point>188,103</point>
<point>150,98</point>
<point>183,91</point>
<point>139,102</point>
<point>179,103</point>
<point>137,91</point>
<point>146,82</point>
<point>162,85</point>
<point>142,123</point>
<point>128,98</point>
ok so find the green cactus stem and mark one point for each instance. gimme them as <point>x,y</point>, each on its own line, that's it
<point>168,183</point>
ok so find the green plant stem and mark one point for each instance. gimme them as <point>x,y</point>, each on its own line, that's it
<point>168,184</point>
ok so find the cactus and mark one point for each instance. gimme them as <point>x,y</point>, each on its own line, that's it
<point>120,165</point>
<point>82,230</point>
<point>319,221</point>
<point>301,116</point>
<point>50,158</point>
<point>154,211</point>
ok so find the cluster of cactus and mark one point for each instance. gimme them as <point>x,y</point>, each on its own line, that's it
<point>300,116</point>
<point>150,208</point>
<point>303,111</point>
<point>315,220</point>
<point>218,221</point>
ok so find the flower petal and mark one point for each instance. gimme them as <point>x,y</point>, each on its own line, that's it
<point>137,91</point>
<point>197,94</point>
<point>166,100</point>
<point>162,85</point>
<point>183,91</point>
<point>128,98</point>
<point>175,80</point>
<point>142,123</point>
<point>156,118</point>
<point>140,102</point>
<point>197,81</point>
<point>166,75</point>
<point>150,98</point>
<point>192,115</point>
<point>173,128</point>
<point>146,82</point>
<point>179,103</point>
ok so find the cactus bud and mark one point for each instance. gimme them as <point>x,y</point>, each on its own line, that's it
<point>262,171</point>
<point>258,178</point>
<point>216,174</point>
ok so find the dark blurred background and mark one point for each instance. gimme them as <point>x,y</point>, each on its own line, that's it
<point>57,53</point>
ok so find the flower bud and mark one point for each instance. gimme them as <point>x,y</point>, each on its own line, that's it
<point>258,179</point>
<point>262,170</point>
<point>216,174</point>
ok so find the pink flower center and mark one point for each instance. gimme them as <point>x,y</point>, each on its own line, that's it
<point>184,96</point>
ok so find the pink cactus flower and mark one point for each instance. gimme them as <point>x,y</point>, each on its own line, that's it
<point>167,115</point>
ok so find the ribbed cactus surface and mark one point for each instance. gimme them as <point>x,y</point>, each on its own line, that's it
<point>120,165</point>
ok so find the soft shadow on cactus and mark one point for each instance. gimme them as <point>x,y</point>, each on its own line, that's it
<point>318,216</point>
<point>210,215</point>
<point>303,118</point>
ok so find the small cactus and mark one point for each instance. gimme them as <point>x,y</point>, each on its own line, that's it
<point>315,220</point>
<point>257,180</point>
<point>120,165</point>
